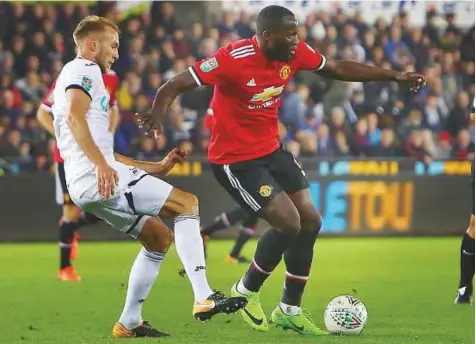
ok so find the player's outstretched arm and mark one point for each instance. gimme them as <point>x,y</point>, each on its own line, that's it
<point>164,97</point>
<point>159,168</point>
<point>78,105</point>
<point>349,70</point>
<point>45,119</point>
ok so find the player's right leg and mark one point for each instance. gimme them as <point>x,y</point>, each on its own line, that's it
<point>183,208</point>
<point>465,288</point>
<point>251,184</point>
<point>68,226</point>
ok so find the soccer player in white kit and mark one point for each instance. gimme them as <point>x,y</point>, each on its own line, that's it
<point>122,191</point>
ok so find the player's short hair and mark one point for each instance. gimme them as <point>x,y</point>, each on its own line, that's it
<point>271,18</point>
<point>92,24</point>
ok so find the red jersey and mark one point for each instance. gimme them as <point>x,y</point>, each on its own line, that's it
<point>247,94</point>
<point>111,81</point>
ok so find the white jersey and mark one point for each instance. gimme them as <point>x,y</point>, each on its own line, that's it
<point>86,76</point>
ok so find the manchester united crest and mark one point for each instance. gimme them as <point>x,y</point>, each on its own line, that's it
<point>285,72</point>
<point>265,190</point>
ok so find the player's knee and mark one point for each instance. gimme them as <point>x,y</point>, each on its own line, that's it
<point>71,213</point>
<point>470,230</point>
<point>180,203</point>
<point>291,224</point>
<point>190,205</point>
<point>311,221</point>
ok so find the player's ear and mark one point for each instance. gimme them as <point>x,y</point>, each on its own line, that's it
<point>93,44</point>
<point>266,34</point>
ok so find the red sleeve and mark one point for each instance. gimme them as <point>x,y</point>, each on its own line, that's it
<point>47,102</point>
<point>308,58</point>
<point>114,80</point>
<point>213,70</point>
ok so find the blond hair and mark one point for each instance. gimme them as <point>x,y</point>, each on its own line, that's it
<point>92,24</point>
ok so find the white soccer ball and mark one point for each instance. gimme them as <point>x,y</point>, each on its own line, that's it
<point>345,315</point>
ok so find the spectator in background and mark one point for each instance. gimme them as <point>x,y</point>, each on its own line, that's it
<point>325,145</point>
<point>443,147</point>
<point>387,147</point>
<point>414,147</point>
<point>8,108</point>
<point>11,148</point>
<point>243,26</point>
<point>414,121</point>
<point>294,106</point>
<point>463,149</point>
<point>397,50</point>
<point>373,131</point>
<point>433,117</point>
<point>308,142</point>
<point>459,116</point>
<point>146,149</point>
<point>342,148</point>
<point>418,47</point>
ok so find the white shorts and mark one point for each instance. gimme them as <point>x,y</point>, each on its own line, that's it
<point>137,197</point>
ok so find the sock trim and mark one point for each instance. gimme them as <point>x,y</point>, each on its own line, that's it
<point>224,219</point>
<point>296,278</point>
<point>257,267</point>
<point>154,256</point>
<point>247,230</point>
<point>184,217</point>
<point>64,245</point>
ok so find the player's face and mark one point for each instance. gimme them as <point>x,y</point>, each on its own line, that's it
<point>282,44</point>
<point>108,52</point>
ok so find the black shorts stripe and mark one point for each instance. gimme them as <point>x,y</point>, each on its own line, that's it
<point>134,182</point>
<point>134,224</point>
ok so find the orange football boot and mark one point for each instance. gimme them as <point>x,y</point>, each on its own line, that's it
<point>68,274</point>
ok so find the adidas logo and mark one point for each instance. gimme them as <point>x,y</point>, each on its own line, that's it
<point>251,82</point>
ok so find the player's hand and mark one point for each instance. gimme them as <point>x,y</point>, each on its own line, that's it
<point>418,81</point>
<point>148,122</point>
<point>107,179</point>
<point>174,157</point>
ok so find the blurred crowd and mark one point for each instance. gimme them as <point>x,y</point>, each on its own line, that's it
<point>319,117</point>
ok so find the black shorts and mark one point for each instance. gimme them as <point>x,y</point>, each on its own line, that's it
<point>62,193</point>
<point>472,187</point>
<point>254,183</point>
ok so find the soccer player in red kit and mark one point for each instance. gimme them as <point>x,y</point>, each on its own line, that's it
<point>249,77</point>
<point>73,218</point>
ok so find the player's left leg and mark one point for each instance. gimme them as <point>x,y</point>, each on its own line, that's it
<point>247,229</point>
<point>465,288</point>
<point>156,239</point>
<point>298,257</point>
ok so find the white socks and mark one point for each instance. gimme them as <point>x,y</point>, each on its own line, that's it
<point>143,274</point>
<point>290,310</point>
<point>241,288</point>
<point>189,245</point>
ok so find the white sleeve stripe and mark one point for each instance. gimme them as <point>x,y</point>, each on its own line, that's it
<point>194,76</point>
<point>323,62</point>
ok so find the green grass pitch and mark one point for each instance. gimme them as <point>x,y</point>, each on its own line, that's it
<point>407,284</point>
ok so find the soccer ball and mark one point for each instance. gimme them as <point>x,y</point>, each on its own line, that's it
<point>345,315</point>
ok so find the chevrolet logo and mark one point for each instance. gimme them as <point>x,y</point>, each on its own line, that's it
<point>267,94</point>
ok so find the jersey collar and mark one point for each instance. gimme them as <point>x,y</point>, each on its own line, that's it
<point>258,51</point>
